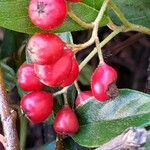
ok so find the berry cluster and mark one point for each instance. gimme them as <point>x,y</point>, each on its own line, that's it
<point>103,77</point>
<point>54,65</point>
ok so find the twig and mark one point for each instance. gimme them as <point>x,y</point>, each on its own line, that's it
<point>132,138</point>
<point>126,23</point>
<point>103,43</point>
<point>95,29</point>
<point>8,118</point>
<point>61,91</point>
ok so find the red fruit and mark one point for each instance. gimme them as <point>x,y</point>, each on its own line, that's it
<point>102,77</point>
<point>53,75</point>
<point>74,1</point>
<point>27,79</point>
<point>83,98</point>
<point>72,75</point>
<point>47,14</point>
<point>66,121</point>
<point>45,48</point>
<point>37,105</point>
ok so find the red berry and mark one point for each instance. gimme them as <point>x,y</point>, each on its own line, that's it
<point>72,75</point>
<point>27,79</point>
<point>47,14</point>
<point>83,98</point>
<point>102,77</point>
<point>66,121</point>
<point>74,1</point>
<point>37,105</point>
<point>45,48</point>
<point>53,75</point>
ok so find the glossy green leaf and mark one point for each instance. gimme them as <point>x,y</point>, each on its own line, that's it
<point>135,11</point>
<point>14,16</point>
<point>104,121</point>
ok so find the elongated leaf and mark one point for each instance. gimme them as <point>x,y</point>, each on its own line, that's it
<point>135,11</point>
<point>100,122</point>
<point>14,16</point>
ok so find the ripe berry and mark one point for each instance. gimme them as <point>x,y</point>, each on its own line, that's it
<point>45,48</point>
<point>37,105</point>
<point>47,14</point>
<point>102,78</point>
<point>53,75</point>
<point>66,121</point>
<point>83,98</point>
<point>27,79</point>
<point>72,75</point>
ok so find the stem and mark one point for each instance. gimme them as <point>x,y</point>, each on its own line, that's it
<point>119,14</point>
<point>61,91</point>
<point>23,132</point>
<point>77,87</point>
<point>65,98</point>
<point>102,44</point>
<point>99,50</point>
<point>8,118</point>
<point>134,27</point>
<point>78,20</point>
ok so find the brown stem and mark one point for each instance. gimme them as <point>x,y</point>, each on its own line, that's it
<point>59,142</point>
<point>8,118</point>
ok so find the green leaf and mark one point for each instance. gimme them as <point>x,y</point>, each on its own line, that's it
<point>14,16</point>
<point>147,146</point>
<point>85,75</point>
<point>9,76</point>
<point>135,11</point>
<point>69,144</point>
<point>104,121</point>
<point>71,95</point>
<point>66,37</point>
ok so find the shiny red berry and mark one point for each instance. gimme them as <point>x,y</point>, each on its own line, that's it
<point>53,75</point>
<point>37,106</point>
<point>66,121</point>
<point>83,98</point>
<point>27,79</point>
<point>45,48</point>
<point>102,77</point>
<point>47,14</point>
<point>72,75</point>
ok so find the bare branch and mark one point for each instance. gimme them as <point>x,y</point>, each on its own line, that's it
<point>8,118</point>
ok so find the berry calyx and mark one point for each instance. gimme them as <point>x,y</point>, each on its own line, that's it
<point>27,79</point>
<point>45,48</point>
<point>37,106</point>
<point>47,14</point>
<point>66,121</point>
<point>72,75</point>
<point>53,75</point>
<point>83,97</point>
<point>103,77</point>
